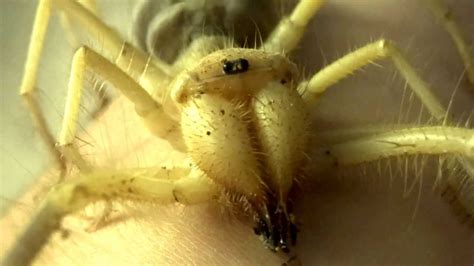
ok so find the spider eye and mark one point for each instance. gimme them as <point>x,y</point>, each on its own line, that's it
<point>235,66</point>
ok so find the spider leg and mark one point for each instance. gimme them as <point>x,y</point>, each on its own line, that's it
<point>103,97</point>
<point>289,31</point>
<point>151,111</point>
<point>443,13</point>
<point>147,71</point>
<point>375,144</point>
<point>160,185</point>
<point>28,89</point>
<point>408,141</point>
<point>143,69</point>
<point>311,90</point>
<point>334,136</point>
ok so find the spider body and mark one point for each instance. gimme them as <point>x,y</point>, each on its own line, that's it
<point>248,131</point>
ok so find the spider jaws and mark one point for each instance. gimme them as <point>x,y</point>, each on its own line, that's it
<point>276,228</point>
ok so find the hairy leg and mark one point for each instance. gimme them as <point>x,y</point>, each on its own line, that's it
<point>27,89</point>
<point>409,141</point>
<point>288,33</point>
<point>317,85</point>
<point>116,48</point>
<point>146,107</point>
<point>158,185</point>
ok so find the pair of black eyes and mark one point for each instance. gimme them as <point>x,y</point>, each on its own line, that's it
<point>231,67</point>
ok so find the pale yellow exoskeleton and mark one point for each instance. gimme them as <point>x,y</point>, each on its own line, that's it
<point>242,116</point>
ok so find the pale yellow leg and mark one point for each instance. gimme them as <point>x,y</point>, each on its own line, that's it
<point>145,105</point>
<point>40,124</point>
<point>91,5</point>
<point>329,137</point>
<point>409,141</point>
<point>437,140</point>
<point>311,90</point>
<point>289,31</point>
<point>27,89</point>
<point>159,185</point>
<point>444,15</point>
<point>146,71</point>
<point>143,69</point>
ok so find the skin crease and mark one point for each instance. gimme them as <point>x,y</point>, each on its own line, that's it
<point>364,222</point>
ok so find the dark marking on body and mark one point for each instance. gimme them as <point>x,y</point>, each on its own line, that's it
<point>175,196</point>
<point>231,67</point>
<point>277,228</point>
<point>65,234</point>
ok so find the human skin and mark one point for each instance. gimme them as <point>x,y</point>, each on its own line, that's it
<point>365,222</point>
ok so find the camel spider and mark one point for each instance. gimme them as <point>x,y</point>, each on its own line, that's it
<point>235,66</point>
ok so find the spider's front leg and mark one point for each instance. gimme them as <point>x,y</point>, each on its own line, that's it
<point>370,144</point>
<point>345,66</point>
<point>185,185</point>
